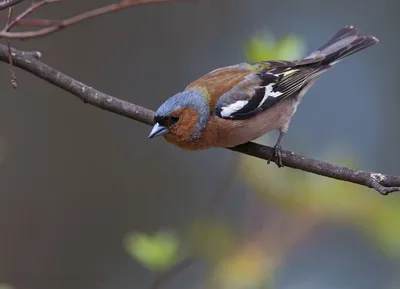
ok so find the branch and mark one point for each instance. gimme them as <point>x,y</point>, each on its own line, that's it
<point>28,61</point>
<point>61,24</point>
<point>27,12</point>
<point>33,22</point>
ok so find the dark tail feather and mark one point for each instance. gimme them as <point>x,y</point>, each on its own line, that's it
<point>344,43</point>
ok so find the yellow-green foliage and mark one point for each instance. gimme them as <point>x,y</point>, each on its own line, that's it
<point>156,252</point>
<point>265,47</point>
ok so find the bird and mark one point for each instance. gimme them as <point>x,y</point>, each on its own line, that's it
<point>236,104</point>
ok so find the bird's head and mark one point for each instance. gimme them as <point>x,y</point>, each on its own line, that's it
<point>183,116</point>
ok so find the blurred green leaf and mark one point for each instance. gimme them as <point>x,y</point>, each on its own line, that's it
<point>5,286</point>
<point>264,46</point>
<point>291,47</point>
<point>156,252</point>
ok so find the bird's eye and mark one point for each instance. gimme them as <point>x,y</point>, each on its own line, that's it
<point>174,118</point>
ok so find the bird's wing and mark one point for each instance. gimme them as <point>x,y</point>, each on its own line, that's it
<point>268,83</point>
<point>220,81</point>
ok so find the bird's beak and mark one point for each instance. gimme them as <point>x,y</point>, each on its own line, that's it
<point>158,130</point>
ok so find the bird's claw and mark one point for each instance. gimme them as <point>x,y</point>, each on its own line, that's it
<point>278,155</point>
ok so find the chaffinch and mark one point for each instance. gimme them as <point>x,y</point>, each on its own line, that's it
<point>236,104</point>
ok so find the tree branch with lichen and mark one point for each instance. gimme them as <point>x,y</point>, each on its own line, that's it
<point>29,61</point>
<point>4,4</point>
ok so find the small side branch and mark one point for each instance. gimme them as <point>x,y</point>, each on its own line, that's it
<point>61,24</point>
<point>384,184</point>
<point>26,13</point>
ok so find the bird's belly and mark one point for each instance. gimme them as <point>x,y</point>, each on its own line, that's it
<point>250,129</point>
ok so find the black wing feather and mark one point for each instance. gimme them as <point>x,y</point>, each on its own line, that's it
<point>282,85</point>
<point>253,105</point>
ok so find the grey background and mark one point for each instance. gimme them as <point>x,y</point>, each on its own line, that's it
<point>76,179</point>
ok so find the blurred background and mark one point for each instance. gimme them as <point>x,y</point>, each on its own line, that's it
<point>87,201</point>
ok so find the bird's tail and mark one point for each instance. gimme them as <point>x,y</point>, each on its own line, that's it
<point>344,43</point>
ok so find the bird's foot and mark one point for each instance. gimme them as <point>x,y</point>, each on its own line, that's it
<point>277,154</point>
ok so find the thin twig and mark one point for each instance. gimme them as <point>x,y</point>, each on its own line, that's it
<point>33,22</point>
<point>27,12</point>
<point>4,4</point>
<point>11,23</point>
<point>10,59</point>
<point>79,18</point>
<point>384,184</point>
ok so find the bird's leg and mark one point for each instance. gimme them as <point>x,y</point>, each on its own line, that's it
<point>277,151</point>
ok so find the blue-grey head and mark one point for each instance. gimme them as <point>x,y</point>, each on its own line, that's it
<point>183,116</point>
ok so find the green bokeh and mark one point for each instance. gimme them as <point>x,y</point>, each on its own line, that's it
<point>156,252</point>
